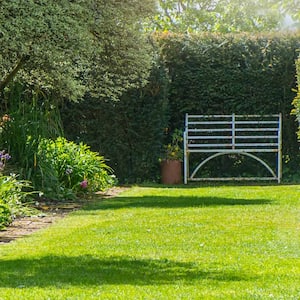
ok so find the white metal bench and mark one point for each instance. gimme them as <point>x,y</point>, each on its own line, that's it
<point>218,135</point>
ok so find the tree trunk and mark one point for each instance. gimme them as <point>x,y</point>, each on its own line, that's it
<point>13,72</point>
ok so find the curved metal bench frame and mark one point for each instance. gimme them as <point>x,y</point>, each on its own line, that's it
<point>219,135</point>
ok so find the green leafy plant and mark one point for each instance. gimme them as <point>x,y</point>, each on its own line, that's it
<point>296,101</point>
<point>173,150</point>
<point>28,117</point>
<point>73,168</point>
<point>5,211</point>
<point>13,194</point>
<point>5,215</point>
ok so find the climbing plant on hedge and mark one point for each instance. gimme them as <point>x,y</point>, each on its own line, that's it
<point>296,102</point>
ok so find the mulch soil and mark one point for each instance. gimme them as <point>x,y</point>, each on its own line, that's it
<point>50,212</point>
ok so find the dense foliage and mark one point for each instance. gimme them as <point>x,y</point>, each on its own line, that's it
<point>73,47</point>
<point>205,74</point>
<point>54,50</point>
<point>224,15</point>
<point>129,133</point>
<point>12,198</point>
<point>30,130</point>
<point>30,117</point>
<point>68,169</point>
<point>224,74</point>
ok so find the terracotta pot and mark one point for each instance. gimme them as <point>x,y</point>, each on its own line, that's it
<point>171,172</point>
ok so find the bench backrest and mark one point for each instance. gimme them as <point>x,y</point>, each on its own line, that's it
<point>217,133</point>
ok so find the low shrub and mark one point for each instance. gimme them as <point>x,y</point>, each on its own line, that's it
<point>5,215</point>
<point>13,194</point>
<point>68,169</point>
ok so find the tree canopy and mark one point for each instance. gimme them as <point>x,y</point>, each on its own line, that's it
<point>76,46</point>
<point>223,15</point>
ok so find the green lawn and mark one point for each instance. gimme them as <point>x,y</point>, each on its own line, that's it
<point>222,242</point>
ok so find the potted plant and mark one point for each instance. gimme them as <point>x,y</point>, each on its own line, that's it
<point>171,163</point>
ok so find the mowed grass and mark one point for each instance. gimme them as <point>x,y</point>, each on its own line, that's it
<point>212,242</point>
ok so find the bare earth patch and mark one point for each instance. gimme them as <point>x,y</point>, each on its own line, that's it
<point>50,213</point>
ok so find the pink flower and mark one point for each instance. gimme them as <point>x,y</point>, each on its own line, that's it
<point>84,184</point>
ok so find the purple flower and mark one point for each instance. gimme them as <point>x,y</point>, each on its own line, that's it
<point>84,184</point>
<point>4,156</point>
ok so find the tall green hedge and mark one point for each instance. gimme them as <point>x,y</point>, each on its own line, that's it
<point>242,74</point>
<point>129,132</point>
<point>206,74</point>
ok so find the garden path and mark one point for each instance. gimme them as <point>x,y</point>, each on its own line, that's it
<point>50,212</point>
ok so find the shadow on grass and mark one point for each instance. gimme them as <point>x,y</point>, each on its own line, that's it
<point>214,184</point>
<point>87,270</point>
<point>171,202</point>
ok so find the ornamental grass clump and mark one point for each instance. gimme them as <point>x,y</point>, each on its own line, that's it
<point>73,169</point>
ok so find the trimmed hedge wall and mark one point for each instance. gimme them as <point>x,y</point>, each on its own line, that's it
<point>206,74</point>
<point>242,74</point>
<point>129,133</point>
<point>212,74</point>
